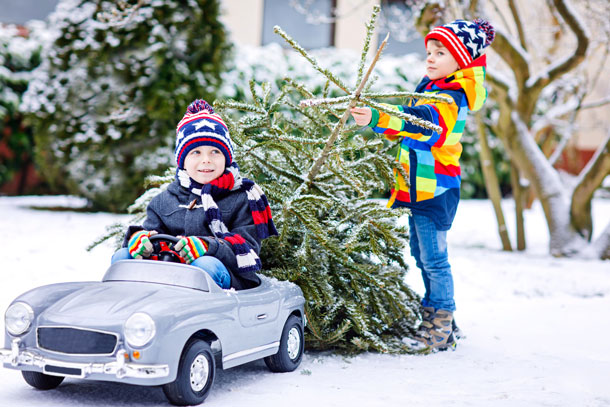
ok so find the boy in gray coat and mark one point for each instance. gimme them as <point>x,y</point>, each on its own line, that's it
<point>219,216</point>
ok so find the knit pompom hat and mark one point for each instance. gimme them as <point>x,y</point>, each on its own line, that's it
<point>200,126</point>
<point>465,40</point>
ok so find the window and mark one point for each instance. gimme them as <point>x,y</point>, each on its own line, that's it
<point>309,25</point>
<point>22,11</point>
<point>396,18</point>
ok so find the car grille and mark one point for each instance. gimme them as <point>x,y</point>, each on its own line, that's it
<point>76,341</point>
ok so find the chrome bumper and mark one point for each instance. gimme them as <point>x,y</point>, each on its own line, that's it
<point>119,368</point>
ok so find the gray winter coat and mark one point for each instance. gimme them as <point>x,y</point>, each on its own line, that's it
<point>168,213</point>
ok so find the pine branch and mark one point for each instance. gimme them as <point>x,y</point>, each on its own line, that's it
<point>413,95</point>
<point>314,63</point>
<point>276,169</point>
<point>405,116</point>
<point>278,135</point>
<point>232,104</point>
<point>111,231</point>
<point>344,99</point>
<point>324,101</point>
<point>370,29</point>
<point>315,169</point>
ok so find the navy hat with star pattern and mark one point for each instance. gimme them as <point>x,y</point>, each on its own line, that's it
<point>465,40</point>
<point>200,126</point>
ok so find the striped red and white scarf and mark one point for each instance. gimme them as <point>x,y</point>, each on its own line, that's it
<point>231,181</point>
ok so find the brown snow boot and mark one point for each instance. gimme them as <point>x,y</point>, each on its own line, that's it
<point>426,322</point>
<point>457,332</point>
<point>427,313</point>
<point>436,331</point>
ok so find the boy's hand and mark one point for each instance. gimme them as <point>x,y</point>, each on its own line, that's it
<point>139,244</point>
<point>190,248</point>
<point>362,115</point>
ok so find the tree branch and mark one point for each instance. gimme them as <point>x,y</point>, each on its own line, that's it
<point>335,79</point>
<point>491,183</point>
<point>518,23</point>
<point>597,103</point>
<point>602,244</point>
<point>317,165</point>
<point>582,37</point>
<point>473,9</point>
<point>500,85</point>
<point>501,94</point>
<point>515,57</point>
<point>590,178</point>
<point>500,13</point>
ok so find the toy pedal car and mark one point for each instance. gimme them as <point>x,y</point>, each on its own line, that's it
<point>152,323</point>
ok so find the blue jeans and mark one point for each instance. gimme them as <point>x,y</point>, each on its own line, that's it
<point>209,264</point>
<point>429,247</point>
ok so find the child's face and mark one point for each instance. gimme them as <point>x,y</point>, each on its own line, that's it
<point>439,62</point>
<point>204,164</point>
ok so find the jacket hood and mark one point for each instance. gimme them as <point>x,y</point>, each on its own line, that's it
<point>469,79</point>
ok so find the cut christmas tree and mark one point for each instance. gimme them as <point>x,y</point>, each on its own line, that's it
<point>344,248</point>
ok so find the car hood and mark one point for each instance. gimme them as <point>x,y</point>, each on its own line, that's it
<point>118,300</point>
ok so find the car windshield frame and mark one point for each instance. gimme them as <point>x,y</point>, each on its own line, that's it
<point>158,272</point>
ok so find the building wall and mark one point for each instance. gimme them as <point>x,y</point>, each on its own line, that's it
<point>244,18</point>
<point>351,29</point>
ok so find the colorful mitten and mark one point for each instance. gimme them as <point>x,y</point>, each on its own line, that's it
<point>191,247</point>
<point>139,244</point>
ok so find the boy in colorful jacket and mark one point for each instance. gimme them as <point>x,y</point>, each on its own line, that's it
<point>455,67</point>
<point>219,216</point>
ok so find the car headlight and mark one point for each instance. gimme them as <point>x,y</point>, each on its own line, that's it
<point>139,329</point>
<point>18,318</point>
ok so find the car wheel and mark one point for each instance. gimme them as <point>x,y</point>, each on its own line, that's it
<point>291,349</point>
<point>196,372</point>
<point>41,381</point>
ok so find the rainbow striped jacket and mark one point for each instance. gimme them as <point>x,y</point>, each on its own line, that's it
<point>431,159</point>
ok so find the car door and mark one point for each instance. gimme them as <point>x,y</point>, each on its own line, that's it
<point>258,310</point>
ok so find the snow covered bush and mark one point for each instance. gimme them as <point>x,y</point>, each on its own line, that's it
<point>20,53</point>
<point>111,88</point>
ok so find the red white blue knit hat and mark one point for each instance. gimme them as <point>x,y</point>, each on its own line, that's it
<point>465,40</point>
<point>200,126</point>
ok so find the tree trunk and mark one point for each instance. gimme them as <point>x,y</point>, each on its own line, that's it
<point>602,244</point>
<point>590,178</point>
<point>519,198</point>
<point>492,184</point>
<point>530,160</point>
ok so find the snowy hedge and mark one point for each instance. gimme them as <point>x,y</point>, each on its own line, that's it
<point>20,50</point>
<point>106,100</point>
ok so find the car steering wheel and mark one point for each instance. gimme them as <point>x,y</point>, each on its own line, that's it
<point>163,248</point>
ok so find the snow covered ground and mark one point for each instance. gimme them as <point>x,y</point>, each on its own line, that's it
<point>537,327</point>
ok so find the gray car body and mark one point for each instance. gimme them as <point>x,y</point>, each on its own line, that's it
<point>183,301</point>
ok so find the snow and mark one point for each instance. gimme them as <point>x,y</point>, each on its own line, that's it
<point>536,325</point>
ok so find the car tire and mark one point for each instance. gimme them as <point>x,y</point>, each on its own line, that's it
<point>195,377</point>
<point>41,381</point>
<point>292,344</point>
